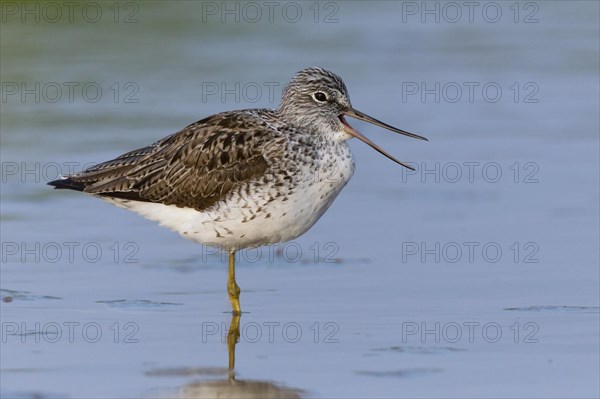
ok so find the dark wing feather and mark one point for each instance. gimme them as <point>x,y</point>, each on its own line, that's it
<point>194,168</point>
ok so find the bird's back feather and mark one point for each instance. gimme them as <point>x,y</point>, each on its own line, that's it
<point>193,168</point>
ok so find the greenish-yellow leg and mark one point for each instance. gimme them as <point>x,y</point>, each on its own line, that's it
<point>232,287</point>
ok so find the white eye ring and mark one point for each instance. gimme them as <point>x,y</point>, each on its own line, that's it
<point>319,96</point>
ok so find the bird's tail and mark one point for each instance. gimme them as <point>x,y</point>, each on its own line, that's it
<point>67,183</point>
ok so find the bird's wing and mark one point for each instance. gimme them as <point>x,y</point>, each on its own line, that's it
<point>193,168</point>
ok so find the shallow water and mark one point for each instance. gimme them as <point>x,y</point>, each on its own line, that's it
<point>475,276</point>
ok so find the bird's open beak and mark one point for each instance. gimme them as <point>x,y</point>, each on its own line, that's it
<point>364,117</point>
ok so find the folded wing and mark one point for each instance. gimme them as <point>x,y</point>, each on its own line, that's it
<point>196,167</point>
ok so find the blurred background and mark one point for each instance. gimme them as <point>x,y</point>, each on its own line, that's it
<point>476,275</point>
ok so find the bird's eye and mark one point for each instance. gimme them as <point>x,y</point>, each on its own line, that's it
<point>320,96</point>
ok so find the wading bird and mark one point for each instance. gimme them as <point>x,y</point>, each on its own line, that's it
<point>242,179</point>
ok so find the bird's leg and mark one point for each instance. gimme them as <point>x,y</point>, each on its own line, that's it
<point>233,337</point>
<point>232,287</point>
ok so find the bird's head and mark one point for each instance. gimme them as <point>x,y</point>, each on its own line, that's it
<point>317,100</point>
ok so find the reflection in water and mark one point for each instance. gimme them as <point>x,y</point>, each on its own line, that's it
<point>231,387</point>
<point>237,389</point>
<point>233,336</point>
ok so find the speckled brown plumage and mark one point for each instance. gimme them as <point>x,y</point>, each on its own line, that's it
<point>193,168</point>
